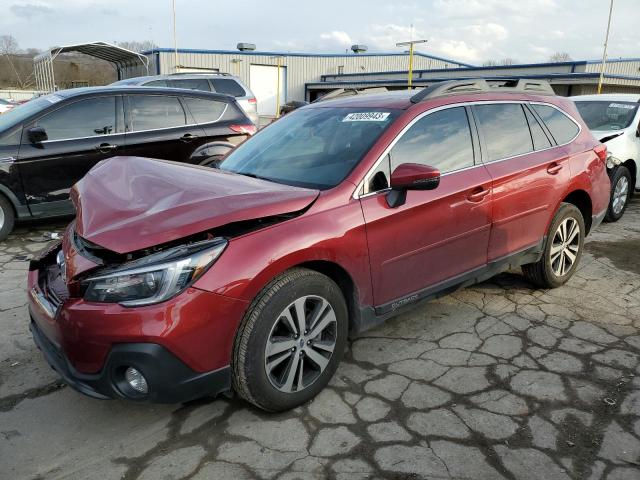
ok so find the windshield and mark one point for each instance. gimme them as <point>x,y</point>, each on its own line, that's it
<point>20,112</point>
<point>311,147</point>
<point>607,115</point>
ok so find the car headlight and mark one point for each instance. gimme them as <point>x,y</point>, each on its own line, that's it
<point>154,278</point>
<point>613,161</point>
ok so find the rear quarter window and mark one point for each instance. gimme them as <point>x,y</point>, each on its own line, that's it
<point>505,130</point>
<point>560,125</point>
<point>203,110</point>
<point>228,86</point>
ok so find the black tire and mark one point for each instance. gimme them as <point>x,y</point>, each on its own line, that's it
<point>542,272</point>
<point>7,217</point>
<point>250,378</point>
<point>620,174</point>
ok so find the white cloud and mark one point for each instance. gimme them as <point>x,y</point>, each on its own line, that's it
<point>341,39</point>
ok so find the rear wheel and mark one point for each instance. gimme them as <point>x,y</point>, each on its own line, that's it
<point>621,187</point>
<point>7,217</point>
<point>291,341</point>
<point>562,251</point>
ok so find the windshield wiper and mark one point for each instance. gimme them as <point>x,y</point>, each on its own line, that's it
<point>253,175</point>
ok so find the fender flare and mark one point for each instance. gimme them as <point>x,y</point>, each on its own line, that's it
<point>209,150</point>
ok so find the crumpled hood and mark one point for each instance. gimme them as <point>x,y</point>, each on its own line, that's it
<point>129,203</point>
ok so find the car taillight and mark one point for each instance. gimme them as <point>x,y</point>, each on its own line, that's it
<point>245,129</point>
<point>601,151</point>
<point>252,100</point>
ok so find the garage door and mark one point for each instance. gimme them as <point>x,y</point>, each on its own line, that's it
<point>263,83</point>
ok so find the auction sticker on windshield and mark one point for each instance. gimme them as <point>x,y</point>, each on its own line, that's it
<point>366,117</point>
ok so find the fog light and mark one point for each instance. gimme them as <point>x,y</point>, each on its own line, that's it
<point>136,380</point>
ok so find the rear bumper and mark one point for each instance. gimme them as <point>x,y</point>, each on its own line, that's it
<point>168,378</point>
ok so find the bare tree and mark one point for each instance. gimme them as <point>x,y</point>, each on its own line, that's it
<point>500,63</point>
<point>508,61</point>
<point>9,50</point>
<point>490,63</point>
<point>560,57</point>
<point>136,46</point>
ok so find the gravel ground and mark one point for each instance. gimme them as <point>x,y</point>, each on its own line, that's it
<point>495,381</point>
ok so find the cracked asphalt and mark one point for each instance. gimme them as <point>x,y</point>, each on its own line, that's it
<point>495,381</point>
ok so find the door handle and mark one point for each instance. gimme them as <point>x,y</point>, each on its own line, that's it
<point>106,147</point>
<point>187,137</point>
<point>554,168</point>
<point>478,194</point>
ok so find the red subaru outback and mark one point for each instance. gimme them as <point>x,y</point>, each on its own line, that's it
<point>178,281</point>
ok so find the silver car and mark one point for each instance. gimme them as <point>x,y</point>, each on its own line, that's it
<point>209,82</point>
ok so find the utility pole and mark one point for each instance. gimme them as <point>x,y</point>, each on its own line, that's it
<point>411,43</point>
<point>175,40</point>
<point>604,54</point>
<point>278,59</point>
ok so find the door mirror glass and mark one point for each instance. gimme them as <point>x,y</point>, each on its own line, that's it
<point>411,176</point>
<point>37,134</point>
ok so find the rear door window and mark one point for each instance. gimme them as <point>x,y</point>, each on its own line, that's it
<point>561,127</point>
<point>149,112</point>
<point>86,118</point>
<point>156,83</point>
<point>203,110</point>
<point>505,130</point>
<point>228,86</point>
<point>441,139</point>
<point>190,84</point>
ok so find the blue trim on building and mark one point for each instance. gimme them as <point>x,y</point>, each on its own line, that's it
<point>338,84</point>
<point>298,54</point>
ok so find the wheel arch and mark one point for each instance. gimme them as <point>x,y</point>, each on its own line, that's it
<point>345,282</point>
<point>633,169</point>
<point>582,200</point>
<point>211,149</point>
<point>11,197</point>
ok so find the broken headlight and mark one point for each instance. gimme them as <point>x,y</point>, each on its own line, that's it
<point>154,278</point>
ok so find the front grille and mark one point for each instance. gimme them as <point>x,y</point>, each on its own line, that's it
<point>51,282</point>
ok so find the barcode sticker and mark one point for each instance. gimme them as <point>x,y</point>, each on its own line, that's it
<point>366,117</point>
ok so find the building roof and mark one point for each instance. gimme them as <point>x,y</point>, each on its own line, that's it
<point>303,54</point>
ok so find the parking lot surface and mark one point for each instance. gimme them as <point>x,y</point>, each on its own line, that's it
<point>495,381</point>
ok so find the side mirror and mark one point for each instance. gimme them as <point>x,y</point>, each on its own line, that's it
<point>411,176</point>
<point>37,135</point>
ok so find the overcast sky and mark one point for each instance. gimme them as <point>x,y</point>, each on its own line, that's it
<point>467,30</point>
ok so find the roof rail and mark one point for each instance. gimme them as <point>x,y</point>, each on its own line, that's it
<point>224,74</point>
<point>479,85</point>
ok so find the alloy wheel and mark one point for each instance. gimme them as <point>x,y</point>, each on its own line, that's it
<point>620,194</point>
<point>300,344</point>
<point>565,246</point>
<point>1,218</point>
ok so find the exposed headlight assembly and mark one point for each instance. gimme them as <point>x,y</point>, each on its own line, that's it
<point>154,278</point>
<point>613,161</point>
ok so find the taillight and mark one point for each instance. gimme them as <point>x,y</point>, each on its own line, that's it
<point>601,151</point>
<point>244,129</point>
<point>252,100</point>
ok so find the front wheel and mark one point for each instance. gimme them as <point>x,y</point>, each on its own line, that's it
<point>7,217</point>
<point>212,161</point>
<point>562,251</point>
<point>620,191</point>
<point>290,341</point>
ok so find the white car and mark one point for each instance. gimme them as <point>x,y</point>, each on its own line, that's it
<point>5,105</point>
<point>614,119</point>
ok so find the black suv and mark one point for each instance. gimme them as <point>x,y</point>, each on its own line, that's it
<point>49,143</point>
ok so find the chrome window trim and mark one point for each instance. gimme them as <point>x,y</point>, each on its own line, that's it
<point>142,131</point>
<point>367,176</point>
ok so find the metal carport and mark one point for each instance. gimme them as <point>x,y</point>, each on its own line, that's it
<point>118,56</point>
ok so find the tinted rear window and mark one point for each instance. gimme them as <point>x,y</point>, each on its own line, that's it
<point>505,130</point>
<point>190,84</point>
<point>540,139</point>
<point>228,86</point>
<point>561,127</point>
<point>204,111</point>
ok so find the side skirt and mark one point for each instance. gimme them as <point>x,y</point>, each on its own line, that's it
<point>370,317</point>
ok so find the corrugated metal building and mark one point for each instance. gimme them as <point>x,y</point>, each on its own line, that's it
<point>258,70</point>
<point>567,78</point>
